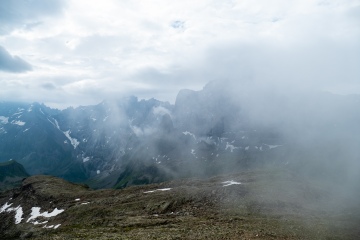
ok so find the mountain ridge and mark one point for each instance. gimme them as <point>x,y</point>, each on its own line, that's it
<point>219,129</point>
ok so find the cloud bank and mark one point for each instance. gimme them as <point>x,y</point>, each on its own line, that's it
<point>12,63</point>
<point>85,51</point>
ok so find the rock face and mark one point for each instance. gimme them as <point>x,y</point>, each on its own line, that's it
<point>219,129</point>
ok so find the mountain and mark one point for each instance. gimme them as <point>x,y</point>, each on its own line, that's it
<point>11,174</point>
<point>272,203</point>
<point>223,128</point>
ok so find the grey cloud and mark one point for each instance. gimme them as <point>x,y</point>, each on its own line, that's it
<point>48,86</point>
<point>10,63</point>
<point>26,13</point>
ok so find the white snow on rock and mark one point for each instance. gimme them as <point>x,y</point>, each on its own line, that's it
<point>86,159</point>
<point>232,147</point>
<point>78,199</point>
<point>56,226</point>
<point>19,212</point>
<point>39,223</point>
<point>273,146</point>
<point>4,207</point>
<point>50,226</point>
<point>190,134</point>
<point>98,172</point>
<point>193,151</point>
<point>160,189</point>
<point>18,215</point>
<point>57,124</point>
<point>20,123</point>
<point>4,120</point>
<point>35,213</point>
<point>231,182</point>
<point>85,203</point>
<point>73,141</point>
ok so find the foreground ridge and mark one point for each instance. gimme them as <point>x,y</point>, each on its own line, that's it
<point>261,204</point>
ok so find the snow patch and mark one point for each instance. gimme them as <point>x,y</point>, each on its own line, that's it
<point>35,213</point>
<point>231,182</point>
<point>18,215</point>
<point>19,211</point>
<point>4,207</point>
<point>39,223</point>
<point>160,189</point>
<point>20,123</point>
<point>73,141</point>
<point>86,159</point>
<point>4,120</point>
<point>190,134</point>
<point>57,124</point>
<point>273,146</point>
<point>50,226</point>
<point>98,172</point>
<point>232,147</point>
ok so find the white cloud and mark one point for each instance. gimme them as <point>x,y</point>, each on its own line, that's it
<point>89,50</point>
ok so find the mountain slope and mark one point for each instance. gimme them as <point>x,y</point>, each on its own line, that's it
<point>11,174</point>
<point>261,204</point>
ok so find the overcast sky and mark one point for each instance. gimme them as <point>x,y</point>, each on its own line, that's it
<point>79,52</point>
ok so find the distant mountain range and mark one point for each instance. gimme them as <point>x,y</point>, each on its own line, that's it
<point>222,128</point>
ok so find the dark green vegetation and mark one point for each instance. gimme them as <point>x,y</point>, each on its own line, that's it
<point>268,204</point>
<point>11,174</point>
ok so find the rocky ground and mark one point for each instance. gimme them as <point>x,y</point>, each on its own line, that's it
<point>260,204</point>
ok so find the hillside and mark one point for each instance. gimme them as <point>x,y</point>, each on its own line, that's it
<point>11,174</point>
<point>258,204</point>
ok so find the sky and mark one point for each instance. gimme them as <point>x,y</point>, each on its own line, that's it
<point>80,52</point>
